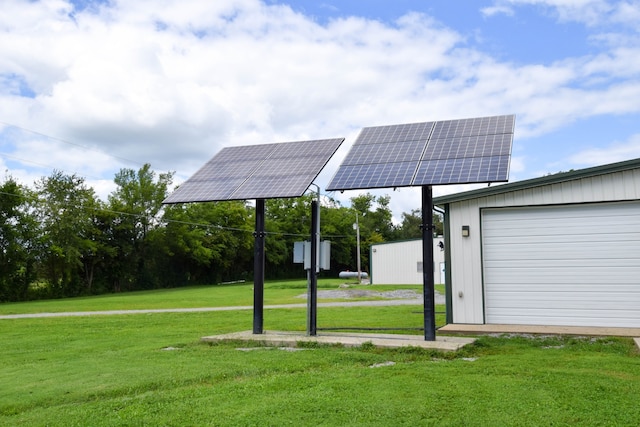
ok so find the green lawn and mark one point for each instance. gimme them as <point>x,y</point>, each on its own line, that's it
<point>276,292</point>
<point>152,369</point>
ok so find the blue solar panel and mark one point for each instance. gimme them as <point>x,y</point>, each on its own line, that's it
<point>430,153</point>
<point>388,152</point>
<point>376,175</point>
<point>258,172</point>
<point>462,170</point>
<point>395,133</point>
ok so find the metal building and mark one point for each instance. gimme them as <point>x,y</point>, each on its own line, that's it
<point>400,263</point>
<point>561,250</point>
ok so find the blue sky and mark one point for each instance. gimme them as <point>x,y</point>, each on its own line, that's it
<point>89,86</point>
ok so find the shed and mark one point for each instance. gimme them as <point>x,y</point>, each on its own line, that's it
<point>400,263</point>
<point>561,250</point>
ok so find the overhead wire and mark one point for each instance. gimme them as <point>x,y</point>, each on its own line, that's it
<point>195,224</point>
<point>65,141</point>
<point>55,138</point>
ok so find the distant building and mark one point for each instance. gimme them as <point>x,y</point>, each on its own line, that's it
<point>400,263</point>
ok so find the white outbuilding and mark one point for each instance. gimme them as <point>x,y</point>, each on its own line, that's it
<point>561,250</point>
<point>400,263</point>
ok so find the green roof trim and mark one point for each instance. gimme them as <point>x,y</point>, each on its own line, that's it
<point>538,182</point>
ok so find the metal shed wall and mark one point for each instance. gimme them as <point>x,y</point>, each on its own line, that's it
<point>396,263</point>
<point>466,252</point>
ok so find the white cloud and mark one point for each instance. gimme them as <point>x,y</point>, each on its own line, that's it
<point>588,12</point>
<point>501,9</point>
<point>616,152</point>
<point>171,82</point>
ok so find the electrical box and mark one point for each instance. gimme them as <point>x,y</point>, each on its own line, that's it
<point>302,254</point>
<point>298,252</point>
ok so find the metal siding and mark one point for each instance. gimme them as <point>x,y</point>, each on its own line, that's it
<point>465,269</point>
<point>467,278</point>
<point>396,263</point>
<point>573,265</point>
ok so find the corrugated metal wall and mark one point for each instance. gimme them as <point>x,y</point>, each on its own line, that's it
<point>397,263</point>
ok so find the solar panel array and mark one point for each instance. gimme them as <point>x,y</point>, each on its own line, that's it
<point>430,153</point>
<point>265,171</point>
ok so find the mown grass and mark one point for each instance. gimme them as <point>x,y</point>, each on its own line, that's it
<point>152,369</point>
<point>276,292</point>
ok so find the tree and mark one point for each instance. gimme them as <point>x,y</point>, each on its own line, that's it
<point>411,226</point>
<point>64,211</point>
<point>337,225</point>
<point>208,241</point>
<point>137,202</point>
<point>17,228</point>
<point>287,221</point>
<point>375,220</point>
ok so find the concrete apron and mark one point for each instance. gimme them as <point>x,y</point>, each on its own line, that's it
<point>467,329</point>
<point>291,339</point>
<point>455,328</point>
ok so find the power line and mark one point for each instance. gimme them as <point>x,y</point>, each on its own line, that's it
<point>65,141</point>
<point>175,221</point>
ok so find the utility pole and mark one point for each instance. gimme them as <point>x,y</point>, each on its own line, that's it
<point>356,227</point>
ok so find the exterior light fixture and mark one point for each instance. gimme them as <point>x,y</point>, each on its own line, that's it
<point>465,231</point>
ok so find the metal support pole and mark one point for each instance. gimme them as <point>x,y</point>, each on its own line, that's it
<point>313,271</point>
<point>357,226</point>
<point>258,269</point>
<point>427,264</point>
<point>312,294</point>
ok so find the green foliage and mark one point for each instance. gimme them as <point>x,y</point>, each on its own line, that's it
<point>59,240</point>
<point>137,202</point>
<point>375,222</point>
<point>286,221</point>
<point>17,228</point>
<point>64,209</point>
<point>209,242</point>
<point>410,228</point>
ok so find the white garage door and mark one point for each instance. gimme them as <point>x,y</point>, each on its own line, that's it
<point>576,265</point>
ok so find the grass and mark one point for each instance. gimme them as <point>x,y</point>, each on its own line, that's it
<point>276,292</point>
<point>151,369</point>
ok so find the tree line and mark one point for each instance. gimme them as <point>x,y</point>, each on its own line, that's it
<point>58,239</point>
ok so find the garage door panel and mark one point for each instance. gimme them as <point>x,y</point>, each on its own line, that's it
<point>563,212</point>
<point>546,238</point>
<point>565,301</point>
<point>603,288</point>
<point>581,249</point>
<point>545,264</point>
<point>571,265</point>
<point>567,275</point>
<point>544,228</point>
<point>566,280</point>
<point>567,252</point>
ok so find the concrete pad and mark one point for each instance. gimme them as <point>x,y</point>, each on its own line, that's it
<point>280,338</point>
<point>637,340</point>
<point>539,329</point>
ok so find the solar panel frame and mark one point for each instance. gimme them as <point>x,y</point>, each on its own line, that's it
<point>276,170</point>
<point>451,152</point>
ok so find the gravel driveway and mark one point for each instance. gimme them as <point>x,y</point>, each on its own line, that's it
<point>397,297</point>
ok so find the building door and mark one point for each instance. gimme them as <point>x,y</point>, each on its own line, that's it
<point>570,265</point>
